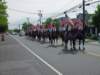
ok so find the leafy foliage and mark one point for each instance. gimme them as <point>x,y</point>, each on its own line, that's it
<point>16,30</point>
<point>96,18</point>
<point>48,21</point>
<point>55,22</point>
<point>3,16</point>
<point>25,26</point>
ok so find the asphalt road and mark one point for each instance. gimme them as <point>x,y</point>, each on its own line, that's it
<point>21,58</point>
<point>16,60</point>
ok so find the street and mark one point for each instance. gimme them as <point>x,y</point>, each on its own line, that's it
<point>16,60</point>
<point>22,56</point>
<point>49,37</point>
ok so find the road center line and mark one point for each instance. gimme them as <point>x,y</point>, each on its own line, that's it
<point>33,53</point>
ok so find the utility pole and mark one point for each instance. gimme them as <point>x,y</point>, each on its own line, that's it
<point>28,22</point>
<point>40,17</point>
<point>19,28</point>
<point>83,13</point>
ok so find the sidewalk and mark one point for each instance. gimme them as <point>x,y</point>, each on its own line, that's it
<point>6,42</point>
<point>93,42</point>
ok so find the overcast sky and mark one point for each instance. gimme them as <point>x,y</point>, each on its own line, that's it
<point>48,7</point>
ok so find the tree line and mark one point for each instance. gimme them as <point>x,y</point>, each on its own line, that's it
<point>3,16</point>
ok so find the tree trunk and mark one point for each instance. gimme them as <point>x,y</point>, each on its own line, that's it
<point>2,37</point>
<point>96,31</point>
<point>91,31</point>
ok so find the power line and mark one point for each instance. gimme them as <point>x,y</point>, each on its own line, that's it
<point>21,11</point>
<point>77,6</point>
<point>65,5</point>
<point>68,9</point>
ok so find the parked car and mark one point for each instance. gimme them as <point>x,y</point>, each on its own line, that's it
<point>13,33</point>
<point>22,33</point>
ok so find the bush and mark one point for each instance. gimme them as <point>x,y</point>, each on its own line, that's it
<point>92,37</point>
<point>3,29</point>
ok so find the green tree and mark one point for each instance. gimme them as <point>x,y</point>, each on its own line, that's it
<point>48,21</point>
<point>3,19</point>
<point>3,16</point>
<point>25,26</point>
<point>16,30</point>
<point>96,18</point>
<point>56,23</point>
